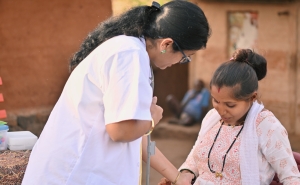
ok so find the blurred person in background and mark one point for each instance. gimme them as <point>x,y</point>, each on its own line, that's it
<point>193,106</point>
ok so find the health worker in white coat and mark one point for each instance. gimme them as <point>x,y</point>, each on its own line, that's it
<point>94,134</point>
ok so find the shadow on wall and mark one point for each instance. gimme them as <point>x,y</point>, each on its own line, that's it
<point>33,123</point>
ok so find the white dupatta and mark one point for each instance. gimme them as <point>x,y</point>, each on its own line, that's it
<point>249,142</point>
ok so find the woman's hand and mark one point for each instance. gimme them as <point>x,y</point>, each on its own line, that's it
<point>164,181</point>
<point>183,179</point>
<point>156,111</point>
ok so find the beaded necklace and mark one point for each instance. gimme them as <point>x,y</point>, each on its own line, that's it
<point>219,174</point>
<point>236,125</point>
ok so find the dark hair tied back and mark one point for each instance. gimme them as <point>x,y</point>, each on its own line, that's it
<point>151,13</point>
<point>183,21</point>
<point>242,72</point>
<point>256,61</point>
<point>242,56</point>
<point>155,5</point>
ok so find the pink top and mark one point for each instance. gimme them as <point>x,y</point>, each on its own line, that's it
<point>275,154</point>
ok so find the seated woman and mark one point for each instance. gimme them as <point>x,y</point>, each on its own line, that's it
<point>240,141</point>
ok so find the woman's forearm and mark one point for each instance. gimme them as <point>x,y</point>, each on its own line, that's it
<point>128,130</point>
<point>159,162</point>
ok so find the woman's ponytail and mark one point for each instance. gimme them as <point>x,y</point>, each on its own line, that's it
<point>130,23</point>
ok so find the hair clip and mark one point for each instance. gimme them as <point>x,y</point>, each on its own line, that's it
<point>155,5</point>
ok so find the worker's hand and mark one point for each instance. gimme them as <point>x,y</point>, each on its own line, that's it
<point>156,111</point>
<point>183,179</point>
<point>164,181</point>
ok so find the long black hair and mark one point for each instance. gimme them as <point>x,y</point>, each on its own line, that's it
<point>242,72</point>
<point>182,21</point>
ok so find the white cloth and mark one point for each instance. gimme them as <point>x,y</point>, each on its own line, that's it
<point>203,182</point>
<point>110,85</point>
<point>249,147</point>
<point>249,143</point>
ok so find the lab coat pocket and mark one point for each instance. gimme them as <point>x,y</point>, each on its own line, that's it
<point>97,180</point>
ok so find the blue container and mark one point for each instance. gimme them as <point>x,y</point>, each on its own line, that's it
<point>3,137</point>
<point>3,127</point>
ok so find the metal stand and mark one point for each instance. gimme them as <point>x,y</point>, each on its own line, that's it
<point>150,151</point>
<point>150,144</point>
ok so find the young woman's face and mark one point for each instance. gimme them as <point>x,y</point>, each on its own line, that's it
<point>169,57</point>
<point>230,109</point>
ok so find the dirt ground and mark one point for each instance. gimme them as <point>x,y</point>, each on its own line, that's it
<point>175,142</point>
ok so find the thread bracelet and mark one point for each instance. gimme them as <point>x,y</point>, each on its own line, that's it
<point>177,177</point>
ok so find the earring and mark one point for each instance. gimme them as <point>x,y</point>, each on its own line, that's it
<point>163,51</point>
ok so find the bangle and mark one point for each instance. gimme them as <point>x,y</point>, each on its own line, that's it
<point>151,129</point>
<point>175,181</point>
<point>194,179</point>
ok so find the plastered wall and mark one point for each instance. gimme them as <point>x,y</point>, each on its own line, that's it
<point>37,39</point>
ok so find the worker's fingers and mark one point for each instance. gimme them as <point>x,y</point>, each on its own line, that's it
<point>154,100</point>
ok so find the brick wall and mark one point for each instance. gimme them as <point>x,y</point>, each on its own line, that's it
<point>37,39</point>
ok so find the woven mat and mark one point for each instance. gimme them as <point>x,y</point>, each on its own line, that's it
<point>12,166</point>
